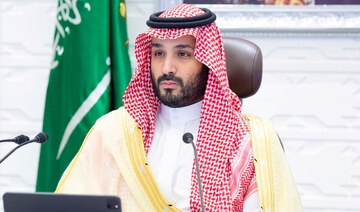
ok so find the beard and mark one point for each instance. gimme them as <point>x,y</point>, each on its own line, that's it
<point>190,93</point>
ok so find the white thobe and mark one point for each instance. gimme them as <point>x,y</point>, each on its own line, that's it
<point>171,160</point>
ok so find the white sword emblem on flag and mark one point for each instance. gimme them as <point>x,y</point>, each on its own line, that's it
<point>83,110</point>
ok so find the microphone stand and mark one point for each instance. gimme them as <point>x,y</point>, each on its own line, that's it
<point>189,138</point>
<point>18,139</point>
<point>13,150</point>
<point>39,138</point>
<point>198,176</point>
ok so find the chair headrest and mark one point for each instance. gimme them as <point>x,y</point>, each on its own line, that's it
<point>244,66</point>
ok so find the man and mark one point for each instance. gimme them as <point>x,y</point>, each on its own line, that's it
<point>179,86</point>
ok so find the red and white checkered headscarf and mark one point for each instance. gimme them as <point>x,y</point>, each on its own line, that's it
<point>222,127</point>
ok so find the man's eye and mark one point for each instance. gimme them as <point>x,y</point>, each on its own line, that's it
<point>184,54</point>
<point>158,53</point>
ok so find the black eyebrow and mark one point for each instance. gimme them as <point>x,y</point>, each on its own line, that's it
<point>156,45</point>
<point>183,46</point>
<point>180,46</point>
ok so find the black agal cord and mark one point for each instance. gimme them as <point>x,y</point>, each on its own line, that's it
<point>185,22</point>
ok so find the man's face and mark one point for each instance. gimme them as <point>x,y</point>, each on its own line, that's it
<point>178,78</point>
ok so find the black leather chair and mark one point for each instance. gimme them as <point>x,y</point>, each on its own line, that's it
<point>244,66</point>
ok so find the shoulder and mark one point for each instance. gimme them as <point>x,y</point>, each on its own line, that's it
<point>108,130</point>
<point>108,125</point>
<point>256,121</point>
<point>112,118</point>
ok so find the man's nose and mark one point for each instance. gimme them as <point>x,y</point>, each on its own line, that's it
<point>169,65</point>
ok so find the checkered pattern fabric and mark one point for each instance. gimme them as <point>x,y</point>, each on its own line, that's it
<point>222,127</point>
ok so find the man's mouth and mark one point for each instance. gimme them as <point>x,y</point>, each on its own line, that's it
<point>168,84</point>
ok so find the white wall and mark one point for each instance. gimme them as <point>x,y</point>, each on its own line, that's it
<point>26,30</point>
<point>310,91</point>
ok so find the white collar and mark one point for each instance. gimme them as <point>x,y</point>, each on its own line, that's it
<point>181,114</point>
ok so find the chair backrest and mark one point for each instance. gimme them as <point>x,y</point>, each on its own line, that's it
<point>244,66</point>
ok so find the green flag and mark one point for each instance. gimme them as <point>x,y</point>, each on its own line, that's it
<point>90,71</point>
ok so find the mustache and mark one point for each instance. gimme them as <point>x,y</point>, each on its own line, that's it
<point>170,77</point>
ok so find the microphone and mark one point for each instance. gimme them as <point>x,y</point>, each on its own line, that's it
<point>39,138</point>
<point>189,138</point>
<point>18,139</point>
